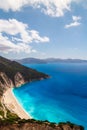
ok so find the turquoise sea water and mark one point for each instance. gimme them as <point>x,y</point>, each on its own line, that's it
<point>61,98</point>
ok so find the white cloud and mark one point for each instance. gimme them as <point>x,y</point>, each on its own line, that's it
<point>72,24</point>
<point>16,36</point>
<point>75,22</point>
<point>76,18</point>
<point>54,8</point>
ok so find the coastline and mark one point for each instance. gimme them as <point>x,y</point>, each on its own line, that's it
<point>13,105</point>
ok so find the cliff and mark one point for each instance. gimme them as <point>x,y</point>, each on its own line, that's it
<point>13,74</point>
<point>38,125</point>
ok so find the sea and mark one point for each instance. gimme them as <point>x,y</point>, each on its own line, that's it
<point>60,98</point>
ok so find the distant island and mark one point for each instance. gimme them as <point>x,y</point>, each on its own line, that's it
<point>49,60</point>
<point>12,115</point>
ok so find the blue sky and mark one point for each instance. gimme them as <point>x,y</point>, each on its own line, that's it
<point>43,28</point>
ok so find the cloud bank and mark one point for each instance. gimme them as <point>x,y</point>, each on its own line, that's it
<point>15,36</point>
<point>54,8</point>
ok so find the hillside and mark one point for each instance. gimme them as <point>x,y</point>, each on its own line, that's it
<point>13,74</point>
<point>16,73</point>
<point>37,125</point>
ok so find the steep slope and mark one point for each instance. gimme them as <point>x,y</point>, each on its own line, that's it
<point>37,125</point>
<point>15,74</point>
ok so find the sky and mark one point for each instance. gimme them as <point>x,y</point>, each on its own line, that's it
<point>43,29</point>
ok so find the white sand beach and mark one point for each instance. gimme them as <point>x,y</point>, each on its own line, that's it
<point>13,105</point>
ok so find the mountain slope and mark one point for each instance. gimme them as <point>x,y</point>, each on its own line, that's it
<point>38,125</point>
<point>14,74</point>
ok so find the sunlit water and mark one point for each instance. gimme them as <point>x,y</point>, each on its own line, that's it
<point>61,98</point>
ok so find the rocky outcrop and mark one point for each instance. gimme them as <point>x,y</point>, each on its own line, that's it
<point>6,82</point>
<point>13,74</point>
<point>18,79</point>
<point>36,126</point>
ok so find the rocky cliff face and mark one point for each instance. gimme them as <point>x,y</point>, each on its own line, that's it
<point>19,80</point>
<point>13,74</point>
<point>36,126</point>
<point>6,82</point>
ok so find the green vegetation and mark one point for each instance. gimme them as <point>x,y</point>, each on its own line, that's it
<point>52,125</point>
<point>32,121</point>
<point>11,68</point>
<point>1,110</point>
<point>70,124</point>
<point>2,113</point>
<point>12,116</point>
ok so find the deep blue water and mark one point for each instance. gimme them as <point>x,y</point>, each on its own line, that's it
<point>61,98</point>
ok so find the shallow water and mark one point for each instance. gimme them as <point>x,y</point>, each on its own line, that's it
<point>61,98</point>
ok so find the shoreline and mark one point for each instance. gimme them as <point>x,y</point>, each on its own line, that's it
<point>13,105</point>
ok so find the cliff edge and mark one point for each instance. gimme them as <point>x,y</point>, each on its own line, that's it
<point>13,74</point>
